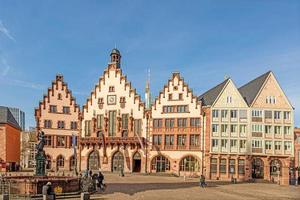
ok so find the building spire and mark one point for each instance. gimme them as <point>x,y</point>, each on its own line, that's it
<point>147,91</point>
<point>115,57</point>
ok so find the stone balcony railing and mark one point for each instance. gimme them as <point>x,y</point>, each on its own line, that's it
<point>111,140</point>
<point>257,150</point>
<point>257,134</point>
<point>173,147</point>
<point>257,119</point>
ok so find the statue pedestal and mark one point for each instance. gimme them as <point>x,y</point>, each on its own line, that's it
<point>40,159</point>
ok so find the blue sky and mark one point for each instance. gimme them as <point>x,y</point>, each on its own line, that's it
<point>204,40</point>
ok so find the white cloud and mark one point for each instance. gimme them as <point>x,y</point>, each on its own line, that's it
<point>21,83</point>
<point>26,84</point>
<point>4,67</point>
<point>6,32</point>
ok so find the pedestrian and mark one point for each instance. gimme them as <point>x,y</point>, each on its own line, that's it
<point>48,192</point>
<point>86,173</point>
<point>100,179</point>
<point>202,181</point>
<point>121,171</point>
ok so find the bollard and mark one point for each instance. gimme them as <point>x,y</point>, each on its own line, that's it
<point>85,196</point>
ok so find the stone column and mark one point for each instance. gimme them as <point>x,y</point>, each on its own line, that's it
<point>237,167</point>
<point>188,140</point>
<point>218,166</point>
<point>227,167</point>
<point>267,175</point>
<point>208,174</point>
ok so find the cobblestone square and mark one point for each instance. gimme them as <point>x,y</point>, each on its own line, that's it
<point>164,187</point>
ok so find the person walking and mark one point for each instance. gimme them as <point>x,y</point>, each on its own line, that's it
<point>202,181</point>
<point>100,179</point>
<point>90,173</point>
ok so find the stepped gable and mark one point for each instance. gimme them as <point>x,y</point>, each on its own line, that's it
<point>50,94</point>
<point>185,87</point>
<point>102,81</point>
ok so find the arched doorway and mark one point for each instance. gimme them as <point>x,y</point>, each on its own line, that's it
<point>48,162</point>
<point>117,162</point>
<point>275,167</point>
<point>189,164</point>
<point>136,165</point>
<point>160,164</point>
<point>94,161</point>
<point>257,168</point>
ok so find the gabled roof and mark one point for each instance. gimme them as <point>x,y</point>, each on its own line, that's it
<point>6,117</point>
<point>250,90</point>
<point>210,96</point>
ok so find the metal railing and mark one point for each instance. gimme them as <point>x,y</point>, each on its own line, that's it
<point>10,189</point>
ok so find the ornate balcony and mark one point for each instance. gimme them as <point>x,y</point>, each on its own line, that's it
<point>90,141</point>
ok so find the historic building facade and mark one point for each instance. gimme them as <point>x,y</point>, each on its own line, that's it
<point>175,130</point>
<point>28,150</point>
<point>271,129</point>
<point>114,124</point>
<point>227,127</point>
<point>227,132</point>
<point>248,131</point>
<point>58,116</point>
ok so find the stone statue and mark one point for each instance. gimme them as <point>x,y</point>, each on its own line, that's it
<point>41,144</point>
<point>40,157</point>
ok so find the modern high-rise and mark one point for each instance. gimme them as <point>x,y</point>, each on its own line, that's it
<point>19,116</point>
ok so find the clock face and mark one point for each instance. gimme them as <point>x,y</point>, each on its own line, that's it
<point>111,99</point>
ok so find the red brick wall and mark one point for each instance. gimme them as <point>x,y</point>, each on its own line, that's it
<point>12,144</point>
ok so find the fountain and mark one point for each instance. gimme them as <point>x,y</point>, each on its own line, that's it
<point>32,185</point>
